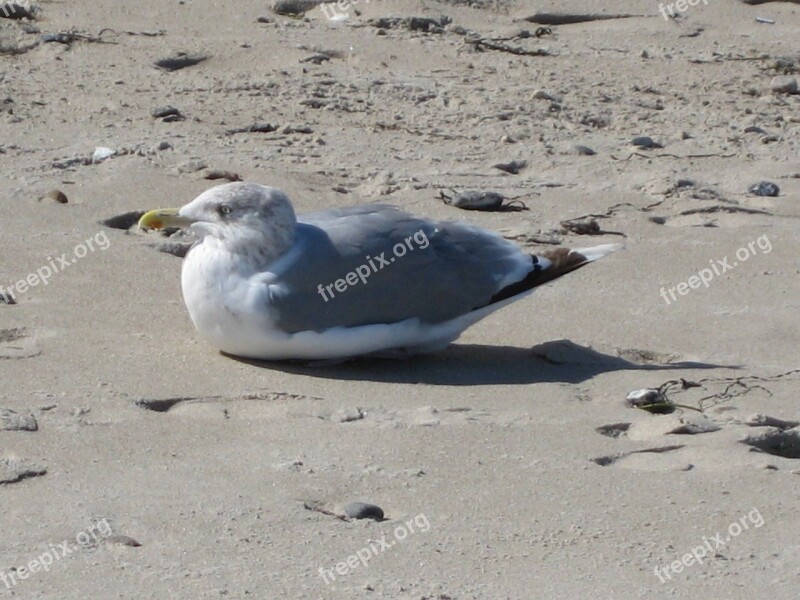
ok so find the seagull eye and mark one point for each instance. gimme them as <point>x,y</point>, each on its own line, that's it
<point>225,210</point>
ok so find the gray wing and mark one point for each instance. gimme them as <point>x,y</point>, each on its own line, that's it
<point>410,267</point>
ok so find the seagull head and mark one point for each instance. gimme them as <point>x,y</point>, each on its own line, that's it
<point>242,217</point>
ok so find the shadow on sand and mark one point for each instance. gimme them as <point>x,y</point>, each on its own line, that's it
<point>560,361</point>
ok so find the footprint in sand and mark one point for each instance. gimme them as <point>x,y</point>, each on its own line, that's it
<point>17,343</point>
<point>731,444</point>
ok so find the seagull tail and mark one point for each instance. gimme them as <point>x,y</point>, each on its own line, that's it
<point>553,264</point>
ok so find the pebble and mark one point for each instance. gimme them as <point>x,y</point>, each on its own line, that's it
<point>585,226</point>
<point>645,142</point>
<point>475,200</point>
<point>783,84</point>
<point>646,396</point>
<point>101,153</point>
<point>754,129</point>
<point>13,421</point>
<point>214,174</point>
<point>294,8</point>
<point>657,220</point>
<point>542,95</point>
<point>180,61</point>
<point>513,167</point>
<point>764,188</point>
<point>57,196</point>
<point>363,510</point>
<point>167,114</point>
<point>584,150</point>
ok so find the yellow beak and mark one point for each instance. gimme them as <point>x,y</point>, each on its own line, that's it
<point>163,217</point>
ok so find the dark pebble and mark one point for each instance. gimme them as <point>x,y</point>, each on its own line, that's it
<point>179,61</point>
<point>476,200</point>
<point>764,188</point>
<point>645,142</point>
<point>513,167</point>
<point>167,113</point>
<point>362,510</point>
<point>657,220</point>
<point>754,129</point>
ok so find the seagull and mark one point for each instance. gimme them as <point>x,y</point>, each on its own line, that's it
<point>336,284</point>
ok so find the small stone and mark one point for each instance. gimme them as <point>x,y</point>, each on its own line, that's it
<point>101,153</point>
<point>584,226</point>
<point>651,400</point>
<point>764,188</point>
<point>363,510</point>
<point>583,150</point>
<point>783,84</point>
<point>289,129</point>
<point>265,20</point>
<point>513,167</point>
<point>56,196</point>
<point>13,421</point>
<point>645,142</point>
<point>214,174</point>
<point>475,200</point>
<point>657,220</point>
<point>179,61</point>
<point>167,114</point>
<point>754,129</point>
<point>294,8</point>
<point>164,146</point>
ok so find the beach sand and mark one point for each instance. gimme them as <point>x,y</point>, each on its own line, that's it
<point>508,466</point>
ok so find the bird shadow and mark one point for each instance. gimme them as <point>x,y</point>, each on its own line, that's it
<point>559,361</point>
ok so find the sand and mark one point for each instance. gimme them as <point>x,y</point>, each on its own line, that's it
<point>508,466</point>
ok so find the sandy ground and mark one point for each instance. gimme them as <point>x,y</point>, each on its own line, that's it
<point>508,466</point>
